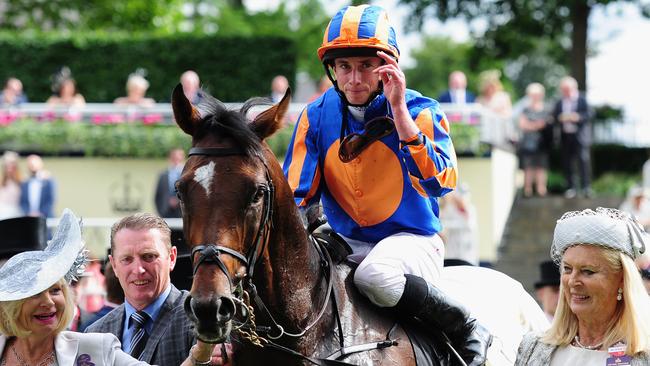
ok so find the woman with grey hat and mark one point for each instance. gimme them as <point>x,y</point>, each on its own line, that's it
<point>603,314</point>
<point>36,305</point>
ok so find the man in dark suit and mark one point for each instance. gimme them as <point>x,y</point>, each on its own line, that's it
<point>37,193</point>
<point>571,114</point>
<point>142,259</point>
<point>167,203</point>
<point>457,92</point>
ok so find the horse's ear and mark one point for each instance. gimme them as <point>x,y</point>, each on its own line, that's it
<point>185,114</point>
<point>272,119</point>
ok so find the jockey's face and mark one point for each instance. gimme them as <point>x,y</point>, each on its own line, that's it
<point>355,77</point>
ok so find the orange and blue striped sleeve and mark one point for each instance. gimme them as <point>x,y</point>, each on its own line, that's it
<point>301,163</point>
<point>433,162</point>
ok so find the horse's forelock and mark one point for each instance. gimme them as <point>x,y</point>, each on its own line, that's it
<point>218,120</point>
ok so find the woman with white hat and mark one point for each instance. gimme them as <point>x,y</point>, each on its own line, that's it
<point>603,313</point>
<point>36,305</point>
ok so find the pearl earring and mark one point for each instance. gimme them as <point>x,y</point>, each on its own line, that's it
<point>619,297</point>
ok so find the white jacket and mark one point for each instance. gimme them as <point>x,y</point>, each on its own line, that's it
<point>102,349</point>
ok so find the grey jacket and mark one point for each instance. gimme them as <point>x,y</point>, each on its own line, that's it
<point>534,352</point>
<point>171,337</point>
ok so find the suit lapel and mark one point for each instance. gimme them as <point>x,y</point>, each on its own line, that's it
<point>161,325</point>
<point>66,349</point>
<point>115,321</point>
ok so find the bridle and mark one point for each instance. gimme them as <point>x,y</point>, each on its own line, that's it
<point>210,253</point>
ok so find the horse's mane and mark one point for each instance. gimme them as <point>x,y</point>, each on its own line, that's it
<point>218,120</point>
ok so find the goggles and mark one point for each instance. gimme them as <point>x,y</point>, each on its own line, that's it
<point>353,144</point>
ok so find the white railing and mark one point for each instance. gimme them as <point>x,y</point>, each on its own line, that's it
<point>630,133</point>
<point>493,129</point>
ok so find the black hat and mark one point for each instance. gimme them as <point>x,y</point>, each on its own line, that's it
<point>22,234</point>
<point>550,273</point>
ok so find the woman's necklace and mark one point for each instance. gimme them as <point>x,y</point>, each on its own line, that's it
<point>47,361</point>
<point>591,348</point>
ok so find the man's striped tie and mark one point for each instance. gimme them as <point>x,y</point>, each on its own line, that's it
<point>140,335</point>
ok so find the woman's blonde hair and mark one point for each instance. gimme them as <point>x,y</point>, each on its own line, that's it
<point>535,88</point>
<point>11,322</point>
<point>631,321</point>
<point>490,77</point>
<point>138,81</point>
<point>10,158</point>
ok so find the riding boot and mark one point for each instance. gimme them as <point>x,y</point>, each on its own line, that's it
<point>433,309</point>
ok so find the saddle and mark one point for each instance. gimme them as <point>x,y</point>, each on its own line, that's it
<point>323,233</point>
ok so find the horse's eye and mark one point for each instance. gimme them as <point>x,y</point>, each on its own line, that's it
<point>259,194</point>
<point>177,191</point>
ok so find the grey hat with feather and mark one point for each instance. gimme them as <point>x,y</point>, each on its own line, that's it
<point>30,273</point>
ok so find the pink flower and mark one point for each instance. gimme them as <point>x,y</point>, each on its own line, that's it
<point>150,119</point>
<point>98,119</point>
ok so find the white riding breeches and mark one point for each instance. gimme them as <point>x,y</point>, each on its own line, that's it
<point>380,275</point>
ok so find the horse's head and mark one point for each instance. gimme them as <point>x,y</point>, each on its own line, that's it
<point>226,194</point>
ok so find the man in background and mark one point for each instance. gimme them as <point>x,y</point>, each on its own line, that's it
<point>12,94</point>
<point>191,84</point>
<point>457,93</point>
<point>571,114</point>
<point>167,203</point>
<point>279,86</point>
<point>37,194</point>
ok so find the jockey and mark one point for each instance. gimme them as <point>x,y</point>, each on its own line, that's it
<point>378,155</point>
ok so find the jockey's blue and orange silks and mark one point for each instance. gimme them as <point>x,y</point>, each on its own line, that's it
<point>363,26</point>
<point>388,188</point>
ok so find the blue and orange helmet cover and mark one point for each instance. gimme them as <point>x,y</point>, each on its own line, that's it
<point>358,29</point>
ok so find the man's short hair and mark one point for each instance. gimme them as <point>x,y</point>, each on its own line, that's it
<point>143,221</point>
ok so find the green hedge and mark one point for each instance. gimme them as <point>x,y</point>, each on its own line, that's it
<point>110,140</point>
<point>614,168</point>
<point>466,139</point>
<point>231,68</point>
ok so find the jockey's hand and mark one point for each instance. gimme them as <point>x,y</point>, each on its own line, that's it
<point>393,79</point>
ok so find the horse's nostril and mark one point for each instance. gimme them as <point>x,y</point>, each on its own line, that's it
<point>188,305</point>
<point>226,309</point>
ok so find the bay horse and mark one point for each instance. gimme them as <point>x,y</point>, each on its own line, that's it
<point>259,280</point>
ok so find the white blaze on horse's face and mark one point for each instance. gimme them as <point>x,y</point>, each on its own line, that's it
<point>204,175</point>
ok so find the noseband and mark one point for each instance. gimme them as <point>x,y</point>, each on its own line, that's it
<point>211,253</point>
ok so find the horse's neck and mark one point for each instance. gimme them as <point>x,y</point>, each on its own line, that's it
<point>293,276</point>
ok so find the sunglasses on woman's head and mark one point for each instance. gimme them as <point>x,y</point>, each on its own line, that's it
<point>353,144</point>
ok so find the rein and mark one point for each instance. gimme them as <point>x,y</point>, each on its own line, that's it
<point>211,253</point>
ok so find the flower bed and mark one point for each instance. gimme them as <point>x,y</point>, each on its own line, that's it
<point>141,139</point>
